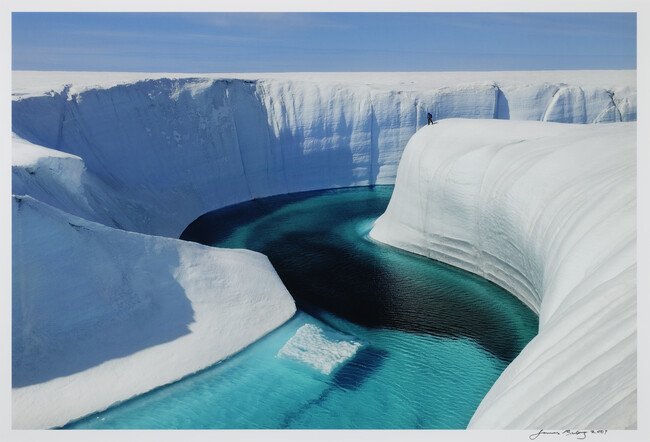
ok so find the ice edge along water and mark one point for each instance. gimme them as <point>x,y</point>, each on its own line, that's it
<point>150,156</point>
<point>549,212</point>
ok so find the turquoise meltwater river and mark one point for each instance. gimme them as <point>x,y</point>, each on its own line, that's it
<point>383,339</point>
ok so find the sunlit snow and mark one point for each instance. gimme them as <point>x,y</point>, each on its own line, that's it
<point>108,168</point>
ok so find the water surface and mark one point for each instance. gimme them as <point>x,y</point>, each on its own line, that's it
<point>433,338</point>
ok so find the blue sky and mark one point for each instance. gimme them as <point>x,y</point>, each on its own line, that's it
<point>293,42</point>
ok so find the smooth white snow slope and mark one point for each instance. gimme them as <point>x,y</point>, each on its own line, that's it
<point>547,211</point>
<point>100,314</point>
<point>98,157</point>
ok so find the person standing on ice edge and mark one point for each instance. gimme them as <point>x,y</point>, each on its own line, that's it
<point>429,118</point>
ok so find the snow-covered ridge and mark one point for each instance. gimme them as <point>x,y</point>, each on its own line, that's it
<point>179,146</point>
<point>549,212</point>
<point>37,83</point>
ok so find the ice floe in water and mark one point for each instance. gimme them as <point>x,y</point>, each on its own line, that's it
<point>320,349</point>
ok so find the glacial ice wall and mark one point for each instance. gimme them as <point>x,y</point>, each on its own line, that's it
<point>175,148</point>
<point>549,212</point>
<point>98,156</point>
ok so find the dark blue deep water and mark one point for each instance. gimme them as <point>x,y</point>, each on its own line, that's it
<point>429,339</point>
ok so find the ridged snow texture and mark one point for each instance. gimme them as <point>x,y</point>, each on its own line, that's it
<point>549,212</point>
<point>173,149</point>
<point>110,153</point>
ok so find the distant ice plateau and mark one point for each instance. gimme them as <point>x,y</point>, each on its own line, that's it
<point>109,168</point>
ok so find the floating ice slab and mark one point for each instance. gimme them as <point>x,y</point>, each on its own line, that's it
<point>322,350</point>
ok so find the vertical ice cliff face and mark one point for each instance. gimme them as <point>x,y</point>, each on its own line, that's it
<point>177,148</point>
<point>547,211</point>
<point>169,145</point>
<point>98,157</point>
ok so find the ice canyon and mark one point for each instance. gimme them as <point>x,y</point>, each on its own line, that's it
<point>527,179</point>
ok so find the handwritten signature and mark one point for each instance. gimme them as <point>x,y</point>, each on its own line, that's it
<point>579,434</point>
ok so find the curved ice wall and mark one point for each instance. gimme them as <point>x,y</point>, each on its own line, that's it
<point>549,212</point>
<point>173,149</point>
<point>107,153</point>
